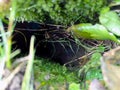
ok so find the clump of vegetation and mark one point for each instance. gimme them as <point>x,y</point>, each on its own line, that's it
<point>59,11</point>
<point>52,74</point>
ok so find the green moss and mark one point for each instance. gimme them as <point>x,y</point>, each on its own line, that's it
<point>59,11</point>
<point>49,73</point>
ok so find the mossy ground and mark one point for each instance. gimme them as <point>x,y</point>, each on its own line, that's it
<point>50,73</point>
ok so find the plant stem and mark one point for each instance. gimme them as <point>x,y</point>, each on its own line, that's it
<point>10,29</point>
<point>27,77</point>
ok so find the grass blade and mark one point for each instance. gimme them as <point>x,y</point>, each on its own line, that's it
<point>26,80</point>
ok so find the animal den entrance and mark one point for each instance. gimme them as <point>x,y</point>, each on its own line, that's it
<point>51,42</point>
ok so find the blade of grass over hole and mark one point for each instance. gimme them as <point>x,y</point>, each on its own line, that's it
<point>10,29</point>
<point>15,53</point>
<point>29,68</point>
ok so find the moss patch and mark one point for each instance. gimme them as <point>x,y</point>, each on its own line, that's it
<point>49,73</point>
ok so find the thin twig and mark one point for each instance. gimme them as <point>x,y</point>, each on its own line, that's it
<point>82,57</point>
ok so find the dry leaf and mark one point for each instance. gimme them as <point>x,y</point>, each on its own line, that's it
<point>110,69</point>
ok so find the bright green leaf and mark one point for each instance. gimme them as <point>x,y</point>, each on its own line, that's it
<point>111,21</point>
<point>89,31</point>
